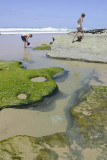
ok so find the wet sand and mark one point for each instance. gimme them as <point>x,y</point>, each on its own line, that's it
<point>12,47</point>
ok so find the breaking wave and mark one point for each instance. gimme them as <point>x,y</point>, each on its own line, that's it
<point>34,30</point>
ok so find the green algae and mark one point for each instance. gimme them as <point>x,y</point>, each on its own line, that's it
<point>14,80</point>
<point>57,139</point>
<point>91,113</point>
<point>43,47</point>
<point>26,147</point>
<point>47,154</point>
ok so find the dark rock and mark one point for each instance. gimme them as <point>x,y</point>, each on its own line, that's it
<point>95,31</point>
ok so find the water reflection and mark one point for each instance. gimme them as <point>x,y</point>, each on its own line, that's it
<point>27,56</point>
<point>76,73</point>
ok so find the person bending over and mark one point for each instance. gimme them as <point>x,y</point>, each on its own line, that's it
<point>24,38</point>
<point>79,27</point>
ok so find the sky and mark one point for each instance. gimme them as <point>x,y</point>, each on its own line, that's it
<point>52,13</point>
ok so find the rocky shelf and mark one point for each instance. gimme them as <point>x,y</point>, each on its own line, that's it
<point>91,49</point>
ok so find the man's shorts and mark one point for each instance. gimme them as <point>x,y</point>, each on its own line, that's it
<point>23,38</point>
<point>79,29</point>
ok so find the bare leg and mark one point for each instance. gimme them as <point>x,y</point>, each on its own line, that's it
<point>27,42</point>
<point>24,44</point>
<point>82,35</point>
<point>74,36</point>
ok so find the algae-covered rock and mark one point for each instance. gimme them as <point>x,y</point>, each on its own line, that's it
<point>15,82</point>
<point>31,148</point>
<point>43,47</point>
<point>91,115</point>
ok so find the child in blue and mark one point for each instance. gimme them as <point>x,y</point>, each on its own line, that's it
<point>25,39</point>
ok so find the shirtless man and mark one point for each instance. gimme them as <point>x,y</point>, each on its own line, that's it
<point>79,27</point>
<point>25,39</point>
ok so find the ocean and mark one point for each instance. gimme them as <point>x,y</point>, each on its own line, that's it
<point>35,30</point>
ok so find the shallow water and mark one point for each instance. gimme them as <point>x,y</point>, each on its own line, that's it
<point>53,114</point>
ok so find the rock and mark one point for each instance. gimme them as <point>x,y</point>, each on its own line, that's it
<point>91,113</point>
<point>91,49</point>
<point>29,148</point>
<point>17,88</point>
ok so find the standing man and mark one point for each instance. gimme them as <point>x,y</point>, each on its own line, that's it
<point>25,39</point>
<point>79,27</point>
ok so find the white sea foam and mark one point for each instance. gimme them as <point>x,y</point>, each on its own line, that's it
<point>34,30</point>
